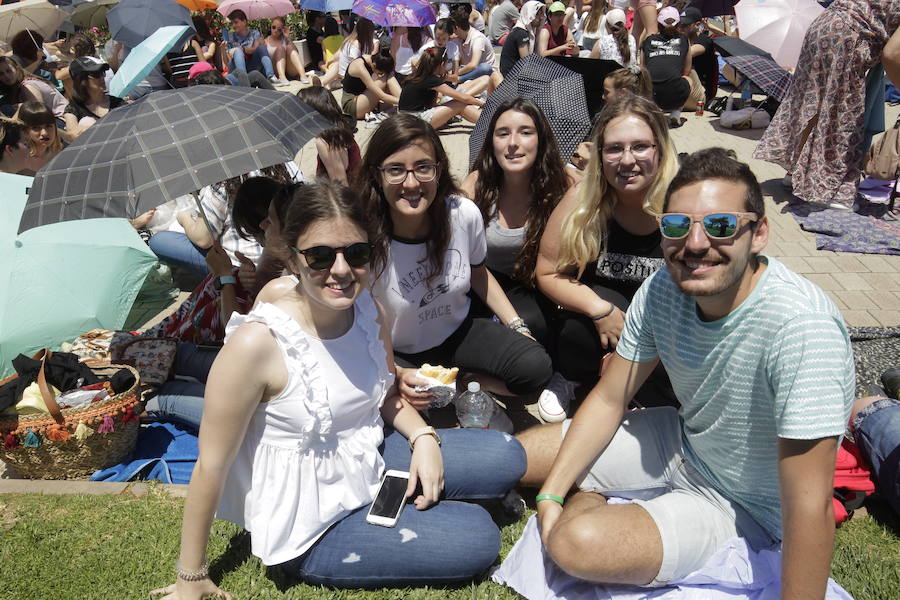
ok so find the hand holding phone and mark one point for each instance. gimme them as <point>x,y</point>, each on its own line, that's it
<point>389,501</point>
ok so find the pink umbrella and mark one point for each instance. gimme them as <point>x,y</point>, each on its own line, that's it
<point>258,9</point>
<point>396,13</point>
<point>777,26</point>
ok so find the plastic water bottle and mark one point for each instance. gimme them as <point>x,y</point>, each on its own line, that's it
<point>474,407</point>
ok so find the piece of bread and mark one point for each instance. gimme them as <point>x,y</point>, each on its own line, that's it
<point>442,374</point>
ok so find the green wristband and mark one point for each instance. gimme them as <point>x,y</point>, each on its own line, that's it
<point>553,497</point>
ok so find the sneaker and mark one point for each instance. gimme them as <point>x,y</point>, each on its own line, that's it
<point>555,399</point>
<point>890,380</point>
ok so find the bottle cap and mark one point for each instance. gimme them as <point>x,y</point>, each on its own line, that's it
<point>474,386</point>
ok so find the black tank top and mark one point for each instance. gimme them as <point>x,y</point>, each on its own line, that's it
<point>354,85</point>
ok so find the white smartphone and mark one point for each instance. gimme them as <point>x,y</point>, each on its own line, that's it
<point>389,501</point>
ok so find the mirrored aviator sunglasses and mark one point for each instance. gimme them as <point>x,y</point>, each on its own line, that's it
<point>320,258</point>
<point>718,226</point>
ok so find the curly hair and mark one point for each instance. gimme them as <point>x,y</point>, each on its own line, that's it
<point>394,134</point>
<point>548,183</point>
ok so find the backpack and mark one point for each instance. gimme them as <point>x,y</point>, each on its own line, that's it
<point>852,481</point>
<point>883,158</point>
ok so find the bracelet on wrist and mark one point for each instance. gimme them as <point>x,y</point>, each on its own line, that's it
<point>603,315</point>
<point>553,497</point>
<point>201,573</point>
<point>516,323</point>
<point>523,329</point>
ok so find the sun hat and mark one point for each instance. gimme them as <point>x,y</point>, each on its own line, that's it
<point>86,64</point>
<point>615,17</point>
<point>691,15</point>
<point>669,13</point>
<point>556,7</point>
<point>200,67</point>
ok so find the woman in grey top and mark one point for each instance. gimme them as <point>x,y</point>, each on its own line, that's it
<point>517,180</point>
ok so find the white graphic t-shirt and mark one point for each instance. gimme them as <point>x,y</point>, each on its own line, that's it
<point>423,314</point>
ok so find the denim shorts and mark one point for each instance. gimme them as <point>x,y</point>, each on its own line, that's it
<point>644,462</point>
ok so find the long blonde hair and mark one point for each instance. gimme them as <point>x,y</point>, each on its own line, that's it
<point>583,235</point>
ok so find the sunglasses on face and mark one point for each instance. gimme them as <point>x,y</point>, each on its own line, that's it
<point>274,28</point>
<point>320,258</point>
<point>718,226</point>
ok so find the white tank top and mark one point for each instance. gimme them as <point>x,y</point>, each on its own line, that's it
<point>310,456</point>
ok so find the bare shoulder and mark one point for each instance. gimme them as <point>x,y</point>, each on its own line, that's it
<point>252,343</point>
<point>276,288</point>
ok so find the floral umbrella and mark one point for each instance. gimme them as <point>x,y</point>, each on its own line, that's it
<point>396,13</point>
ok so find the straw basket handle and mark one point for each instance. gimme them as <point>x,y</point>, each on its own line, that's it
<point>46,394</point>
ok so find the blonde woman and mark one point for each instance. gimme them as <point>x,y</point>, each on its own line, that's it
<point>602,240</point>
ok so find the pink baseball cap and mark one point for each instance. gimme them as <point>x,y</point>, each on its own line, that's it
<point>200,67</point>
<point>669,13</point>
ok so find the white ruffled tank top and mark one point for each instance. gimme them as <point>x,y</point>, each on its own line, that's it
<point>310,456</point>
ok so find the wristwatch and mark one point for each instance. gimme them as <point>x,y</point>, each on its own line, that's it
<point>219,282</point>
<point>423,431</point>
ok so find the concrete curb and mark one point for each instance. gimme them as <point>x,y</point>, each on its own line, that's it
<point>96,488</point>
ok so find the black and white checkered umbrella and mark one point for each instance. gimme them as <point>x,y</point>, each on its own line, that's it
<point>558,91</point>
<point>168,144</point>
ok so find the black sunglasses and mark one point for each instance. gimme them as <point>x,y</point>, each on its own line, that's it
<point>320,258</point>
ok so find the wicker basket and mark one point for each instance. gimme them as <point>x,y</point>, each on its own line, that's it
<point>74,442</point>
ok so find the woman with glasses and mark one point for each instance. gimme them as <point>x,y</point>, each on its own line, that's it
<point>429,253</point>
<point>420,93</point>
<point>293,441</point>
<point>283,53</point>
<point>602,240</point>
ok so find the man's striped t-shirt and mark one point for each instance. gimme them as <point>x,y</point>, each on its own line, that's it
<point>778,366</point>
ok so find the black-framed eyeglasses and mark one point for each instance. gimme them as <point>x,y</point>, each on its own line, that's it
<point>718,226</point>
<point>397,174</point>
<point>320,258</point>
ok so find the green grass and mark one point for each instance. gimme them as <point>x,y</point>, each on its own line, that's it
<point>116,547</point>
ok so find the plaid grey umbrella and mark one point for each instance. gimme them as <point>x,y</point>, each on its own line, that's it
<point>168,144</point>
<point>133,21</point>
<point>558,91</point>
<point>768,75</point>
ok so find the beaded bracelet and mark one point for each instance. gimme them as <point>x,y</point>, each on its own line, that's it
<point>516,323</point>
<point>202,573</point>
<point>558,499</point>
<point>523,329</point>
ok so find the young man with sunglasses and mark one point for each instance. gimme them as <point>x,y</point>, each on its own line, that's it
<point>760,360</point>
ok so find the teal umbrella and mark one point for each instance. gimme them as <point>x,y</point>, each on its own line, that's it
<point>146,55</point>
<point>61,280</point>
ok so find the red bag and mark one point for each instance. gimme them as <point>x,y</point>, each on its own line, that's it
<point>852,481</point>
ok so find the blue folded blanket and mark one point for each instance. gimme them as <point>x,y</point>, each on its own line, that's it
<point>165,452</point>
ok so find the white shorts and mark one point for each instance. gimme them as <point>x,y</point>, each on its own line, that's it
<point>645,462</point>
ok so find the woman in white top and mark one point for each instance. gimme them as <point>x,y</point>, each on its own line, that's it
<point>406,42</point>
<point>614,43</point>
<point>361,42</point>
<point>284,55</point>
<point>591,23</point>
<point>292,441</point>
<point>429,252</point>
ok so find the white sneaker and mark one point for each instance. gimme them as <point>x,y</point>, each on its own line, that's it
<point>555,399</point>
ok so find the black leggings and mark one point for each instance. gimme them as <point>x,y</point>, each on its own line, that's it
<point>578,353</point>
<point>488,348</point>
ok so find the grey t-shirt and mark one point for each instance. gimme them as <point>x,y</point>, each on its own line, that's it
<point>503,18</point>
<point>503,247</point>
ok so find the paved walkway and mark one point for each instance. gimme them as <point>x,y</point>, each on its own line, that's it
<point>865,287</point>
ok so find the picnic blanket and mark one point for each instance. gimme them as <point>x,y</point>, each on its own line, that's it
<point>165,451</point>
<point>875,350</point>
<point>868,230</point>
<point>735,571</point>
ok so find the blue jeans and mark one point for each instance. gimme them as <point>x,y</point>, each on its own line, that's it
<point>176,249</point>
<point>258,61</point>
<point>877,433</point>
<point>482,69</point>
<point>452,541</point>
<point>182,401</point>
